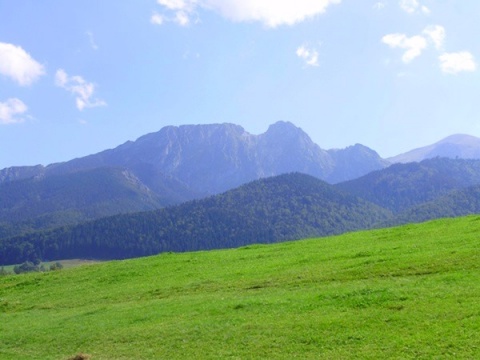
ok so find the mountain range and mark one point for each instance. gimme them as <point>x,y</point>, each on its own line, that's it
<point>165,168</point>
<point>210,159</point>
<point>179,164</point>
<point>285,207</point>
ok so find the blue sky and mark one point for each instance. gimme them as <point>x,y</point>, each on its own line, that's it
<point>78,77</point>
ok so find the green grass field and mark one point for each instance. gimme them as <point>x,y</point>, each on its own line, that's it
<point>411,292</point>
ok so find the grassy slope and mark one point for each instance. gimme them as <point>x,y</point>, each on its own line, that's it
<point>408,292</point>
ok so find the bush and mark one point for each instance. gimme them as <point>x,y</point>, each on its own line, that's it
<point>56,266</point>
<point>27,266</point>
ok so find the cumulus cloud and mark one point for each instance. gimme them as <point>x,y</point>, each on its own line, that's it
<point>413,45</point>
<point>11,111</point>
<point>450,63</point>
<point>182,18</point>
<point>413,6</point>
<point>308,54</point>
<point>18,65</point>
<point>157,19</point>
<point>453,63</point>
<point>182,12</point>
<point>175,4</point>
<point>82,89</point>
<point>272,13</point>
<point>437,34</point>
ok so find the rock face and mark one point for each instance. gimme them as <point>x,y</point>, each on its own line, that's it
<point>21,172</point>
<point>453,147</point>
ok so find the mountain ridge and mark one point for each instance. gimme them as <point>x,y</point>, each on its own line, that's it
<point>175,151</point>
<point>177,164</point>
<point>454,146</point>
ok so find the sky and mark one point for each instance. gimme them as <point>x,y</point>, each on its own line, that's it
<point>81,76</point>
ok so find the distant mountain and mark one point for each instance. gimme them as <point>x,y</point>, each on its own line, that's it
<point>455,146</point>
<point>402,186</point>
<point>285,207</point>
<point>353,162</point>
<point>173,165</point>
<point>214,158</point>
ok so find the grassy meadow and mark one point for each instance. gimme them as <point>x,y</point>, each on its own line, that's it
<point>410,292</point>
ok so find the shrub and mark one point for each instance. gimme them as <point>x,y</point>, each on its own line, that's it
<point>56,266</point>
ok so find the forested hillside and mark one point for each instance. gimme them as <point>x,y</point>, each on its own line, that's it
<point>456,203</point>
<point>286,207</point>
<point>402,186</point>
<point>42,203</point>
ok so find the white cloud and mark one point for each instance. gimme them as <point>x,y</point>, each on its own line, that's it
<point>425,10</point>
<point>379,5</point>
<point>413,45</point>
<point>309,55</point>
<point>157,19</point>
<point>413,6</point>
<point>272,13</point>
<point>182,18</point>
<point>436,34</point>
<point>11,111</point>
<point>182,12</point>
<point>175,4</point>
<point>450,63</point>
<point>17,64</point>
<point>82,90</point>
<point>453,63</point>
<point>91,39</point>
